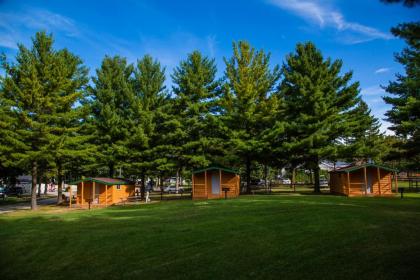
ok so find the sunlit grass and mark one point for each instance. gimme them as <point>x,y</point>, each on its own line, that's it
<point>277,236</point>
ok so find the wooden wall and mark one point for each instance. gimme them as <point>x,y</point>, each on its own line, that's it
<point>203,190</point>
<point>339,183</point>
<point>122,194</point>
<point>230,181</point>
<point>108,197</point>
<point>199,188</point>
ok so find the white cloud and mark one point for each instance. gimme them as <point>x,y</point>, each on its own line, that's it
<point>381,70</point>
<point>323,15</point>
<point>176,46</point>
<point>373,91</point>
<point>16,26</point>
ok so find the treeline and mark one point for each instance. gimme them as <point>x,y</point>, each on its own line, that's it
<point>56,121</point>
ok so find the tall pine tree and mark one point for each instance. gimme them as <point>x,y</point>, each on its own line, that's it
<point>149,89</point>
<point>405,99</point>
<point>195,91</point>
<point>41,87</point>
<point>246,101</point>
<point>317,103</point>
<point>364,141</point>
<point>115,113</point>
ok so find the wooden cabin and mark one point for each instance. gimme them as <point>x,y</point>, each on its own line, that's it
<point>362,180</point>
<point>215,182</point>
<point>102,191</point>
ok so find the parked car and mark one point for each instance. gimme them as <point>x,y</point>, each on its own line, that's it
<point>14,191</point>
<point>286,181</point>
<point>323,183</point>
<point>172,189</point>
<point>257,182</point>
<point>3,192</point>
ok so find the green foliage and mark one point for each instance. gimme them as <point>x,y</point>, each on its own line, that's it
<point>405,112</point>
<point>317,100</point>
<point>116,113</point>
<point>149,89</point>
<point>365,142</point>
<point>247,101</point>
<point>195,126</point>
<point>37,99</point>
<point>50,119</point>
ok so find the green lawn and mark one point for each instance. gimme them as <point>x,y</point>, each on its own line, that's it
<point>253,237</point>
<point>10,200</point>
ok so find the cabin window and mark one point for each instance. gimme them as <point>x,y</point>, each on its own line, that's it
<point>118,187</point>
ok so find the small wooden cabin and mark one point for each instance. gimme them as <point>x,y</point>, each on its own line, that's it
<point>359,180</point>
<point>103,191</point>
<point>213,182</point>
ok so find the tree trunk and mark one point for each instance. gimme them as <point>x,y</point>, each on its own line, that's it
<point>248,175</point>
<point>33,188</point>
<point>293,181</point>
<point>111,170</point>
<point>265,177</point>
<point>311,178</point>
<point>60,185</point>
<point>142,186</point>
<point>39,186</point>
<point>317,188</point>
<point>46,185</point>
<point>177,180</point>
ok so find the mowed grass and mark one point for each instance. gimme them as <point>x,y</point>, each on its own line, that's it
<point>253,237</point>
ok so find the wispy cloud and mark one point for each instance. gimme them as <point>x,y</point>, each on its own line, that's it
<point>18,27</point>
<point>176,46</point>
<point>15,26</point>
<point>372,91</point>
<point>381,70</point>
<point>324,15</point>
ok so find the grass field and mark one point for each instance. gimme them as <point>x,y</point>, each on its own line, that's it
<point>253,237</point>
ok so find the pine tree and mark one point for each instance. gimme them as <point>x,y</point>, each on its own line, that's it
<point>8,124</point>
<point>246,101</point>
<point>116,113</point>
<point>42,87</point>
<point>405,111</point>
<point>150,91</point>
<point>195,91</point>
<point>317,100</point>
<point>364,142</point>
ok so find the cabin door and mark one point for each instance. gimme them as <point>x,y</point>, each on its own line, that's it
<point>369,182</point>
<point>215,183</point>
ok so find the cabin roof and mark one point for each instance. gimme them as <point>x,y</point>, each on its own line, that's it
<point>352,168</point>
<point>105,181</point>
<point>215,167</point>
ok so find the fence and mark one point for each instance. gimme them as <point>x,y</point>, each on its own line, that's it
<point>278,188</point>
<point>410,184</point>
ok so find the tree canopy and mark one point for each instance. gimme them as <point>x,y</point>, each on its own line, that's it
<point>256,115</point>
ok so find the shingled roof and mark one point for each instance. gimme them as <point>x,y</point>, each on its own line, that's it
<point>352,168</point>
<point>105,181</point>
<point>216,167</point>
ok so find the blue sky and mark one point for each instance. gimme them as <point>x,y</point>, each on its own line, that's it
<point>356,31</point>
